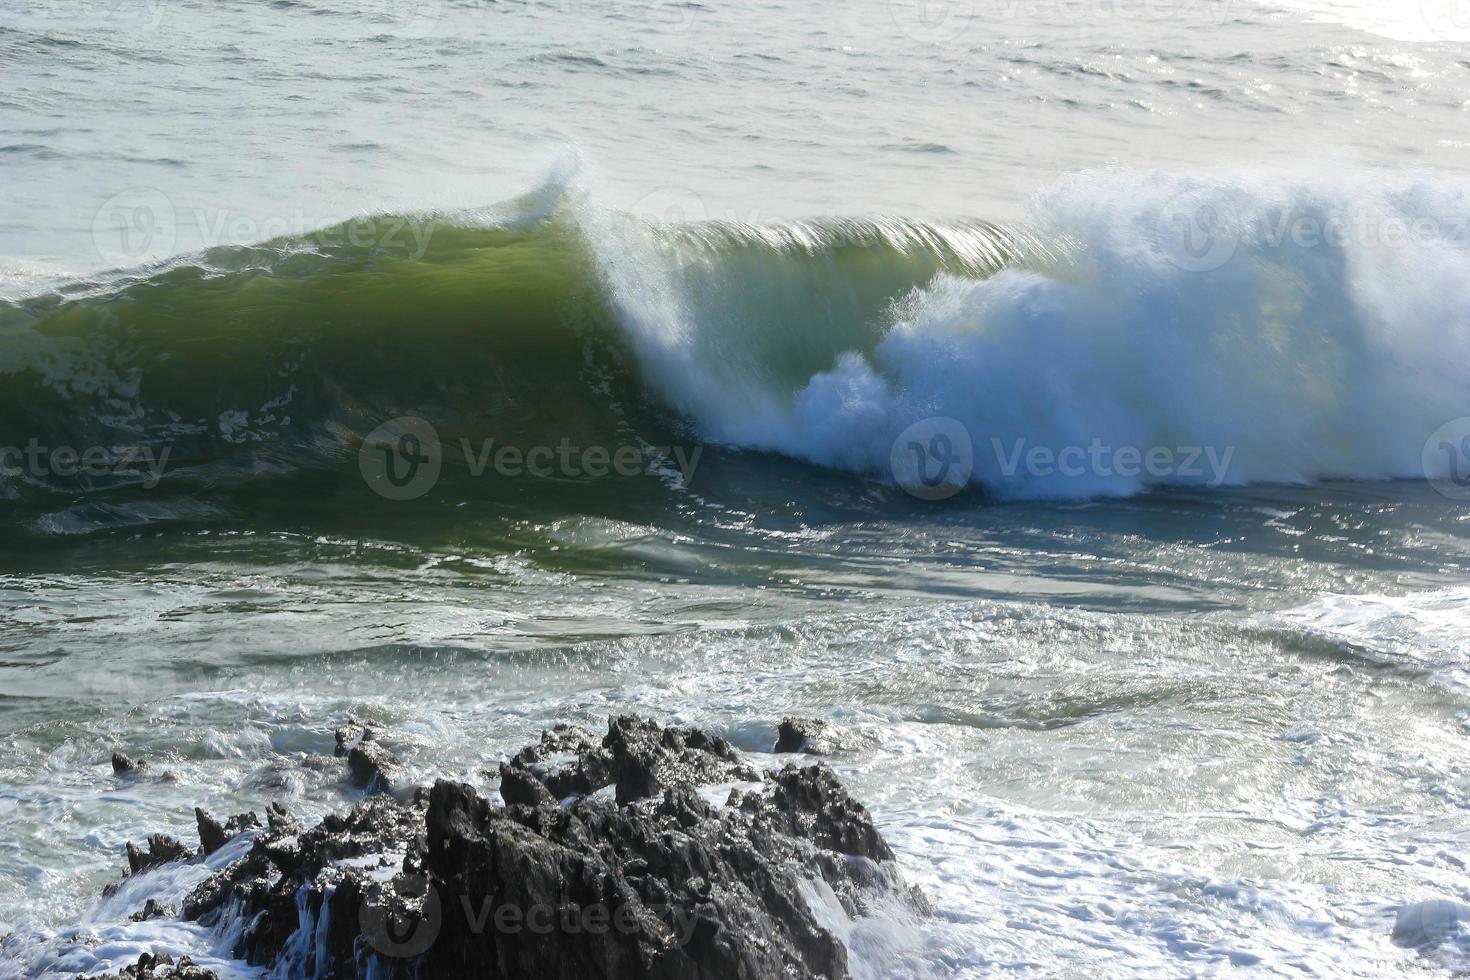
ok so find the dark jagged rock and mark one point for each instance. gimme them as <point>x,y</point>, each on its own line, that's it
<point>154,909</point>
<point>520,787</point>
<point>568,761</point>
<point>348,736</point>
<point>161,966</point>
<point>374,768</point>
<point>213,835</point>
<point>693,895</point>
<point>807,735</point>
<point>280,821</point>
<point>127,769</point>
<point>810,802</point>
<point>161,850</point>
<point>652,880</point>
<point>646,758</point>
<point>267,877</point>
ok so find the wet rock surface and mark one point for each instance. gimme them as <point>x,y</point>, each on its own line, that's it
<point>161,850</point>
<point>806,735</point>
<point>213,835</point>
<point>129,770</point>
<point>652,851</point>
<point>161,966</point>
<point>370,764</point>
<point>154,909</point>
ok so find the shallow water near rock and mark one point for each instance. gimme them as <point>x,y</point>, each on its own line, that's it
<point>1195,758</point>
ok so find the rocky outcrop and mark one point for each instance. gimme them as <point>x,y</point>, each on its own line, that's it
<point>652,852</point>
<point>371,765</point>
<point>520,788</point>
<point>806,735</point>
<point>279,820</point>
<point>645,759</point>
<point>161,850</point>
<point>568,761</point>
<point>154,909</point>
<point>348,736</point>
<point>161,966</point>
<point>128,770</point>
<point>213,835</point>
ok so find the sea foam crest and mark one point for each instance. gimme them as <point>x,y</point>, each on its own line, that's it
<point>1267,331</point>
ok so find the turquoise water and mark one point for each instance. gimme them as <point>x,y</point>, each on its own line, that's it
<point>1065,400</point>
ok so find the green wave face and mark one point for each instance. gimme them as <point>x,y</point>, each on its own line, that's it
<point>260,370</point>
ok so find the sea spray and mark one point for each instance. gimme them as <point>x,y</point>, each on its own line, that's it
<point>1295,332</point>
<point>1291,331</point>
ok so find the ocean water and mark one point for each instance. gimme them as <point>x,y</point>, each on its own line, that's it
<point>1069,400</point>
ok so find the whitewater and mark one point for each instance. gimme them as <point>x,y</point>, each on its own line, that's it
<point>1067,402</point>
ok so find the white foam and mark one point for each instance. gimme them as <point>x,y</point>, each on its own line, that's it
<point>1401,20</point>
<point>105,939</point>
<point>1326,335</point>
<point>1422,629</point>
<point>1025,894</point>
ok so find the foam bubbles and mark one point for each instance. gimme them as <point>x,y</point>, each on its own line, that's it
<point>1320,329</point>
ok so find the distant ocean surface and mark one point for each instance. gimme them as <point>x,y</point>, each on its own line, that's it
<point>1068,400</point>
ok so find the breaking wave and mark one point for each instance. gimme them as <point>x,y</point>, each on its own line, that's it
<point>1298,330</point>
